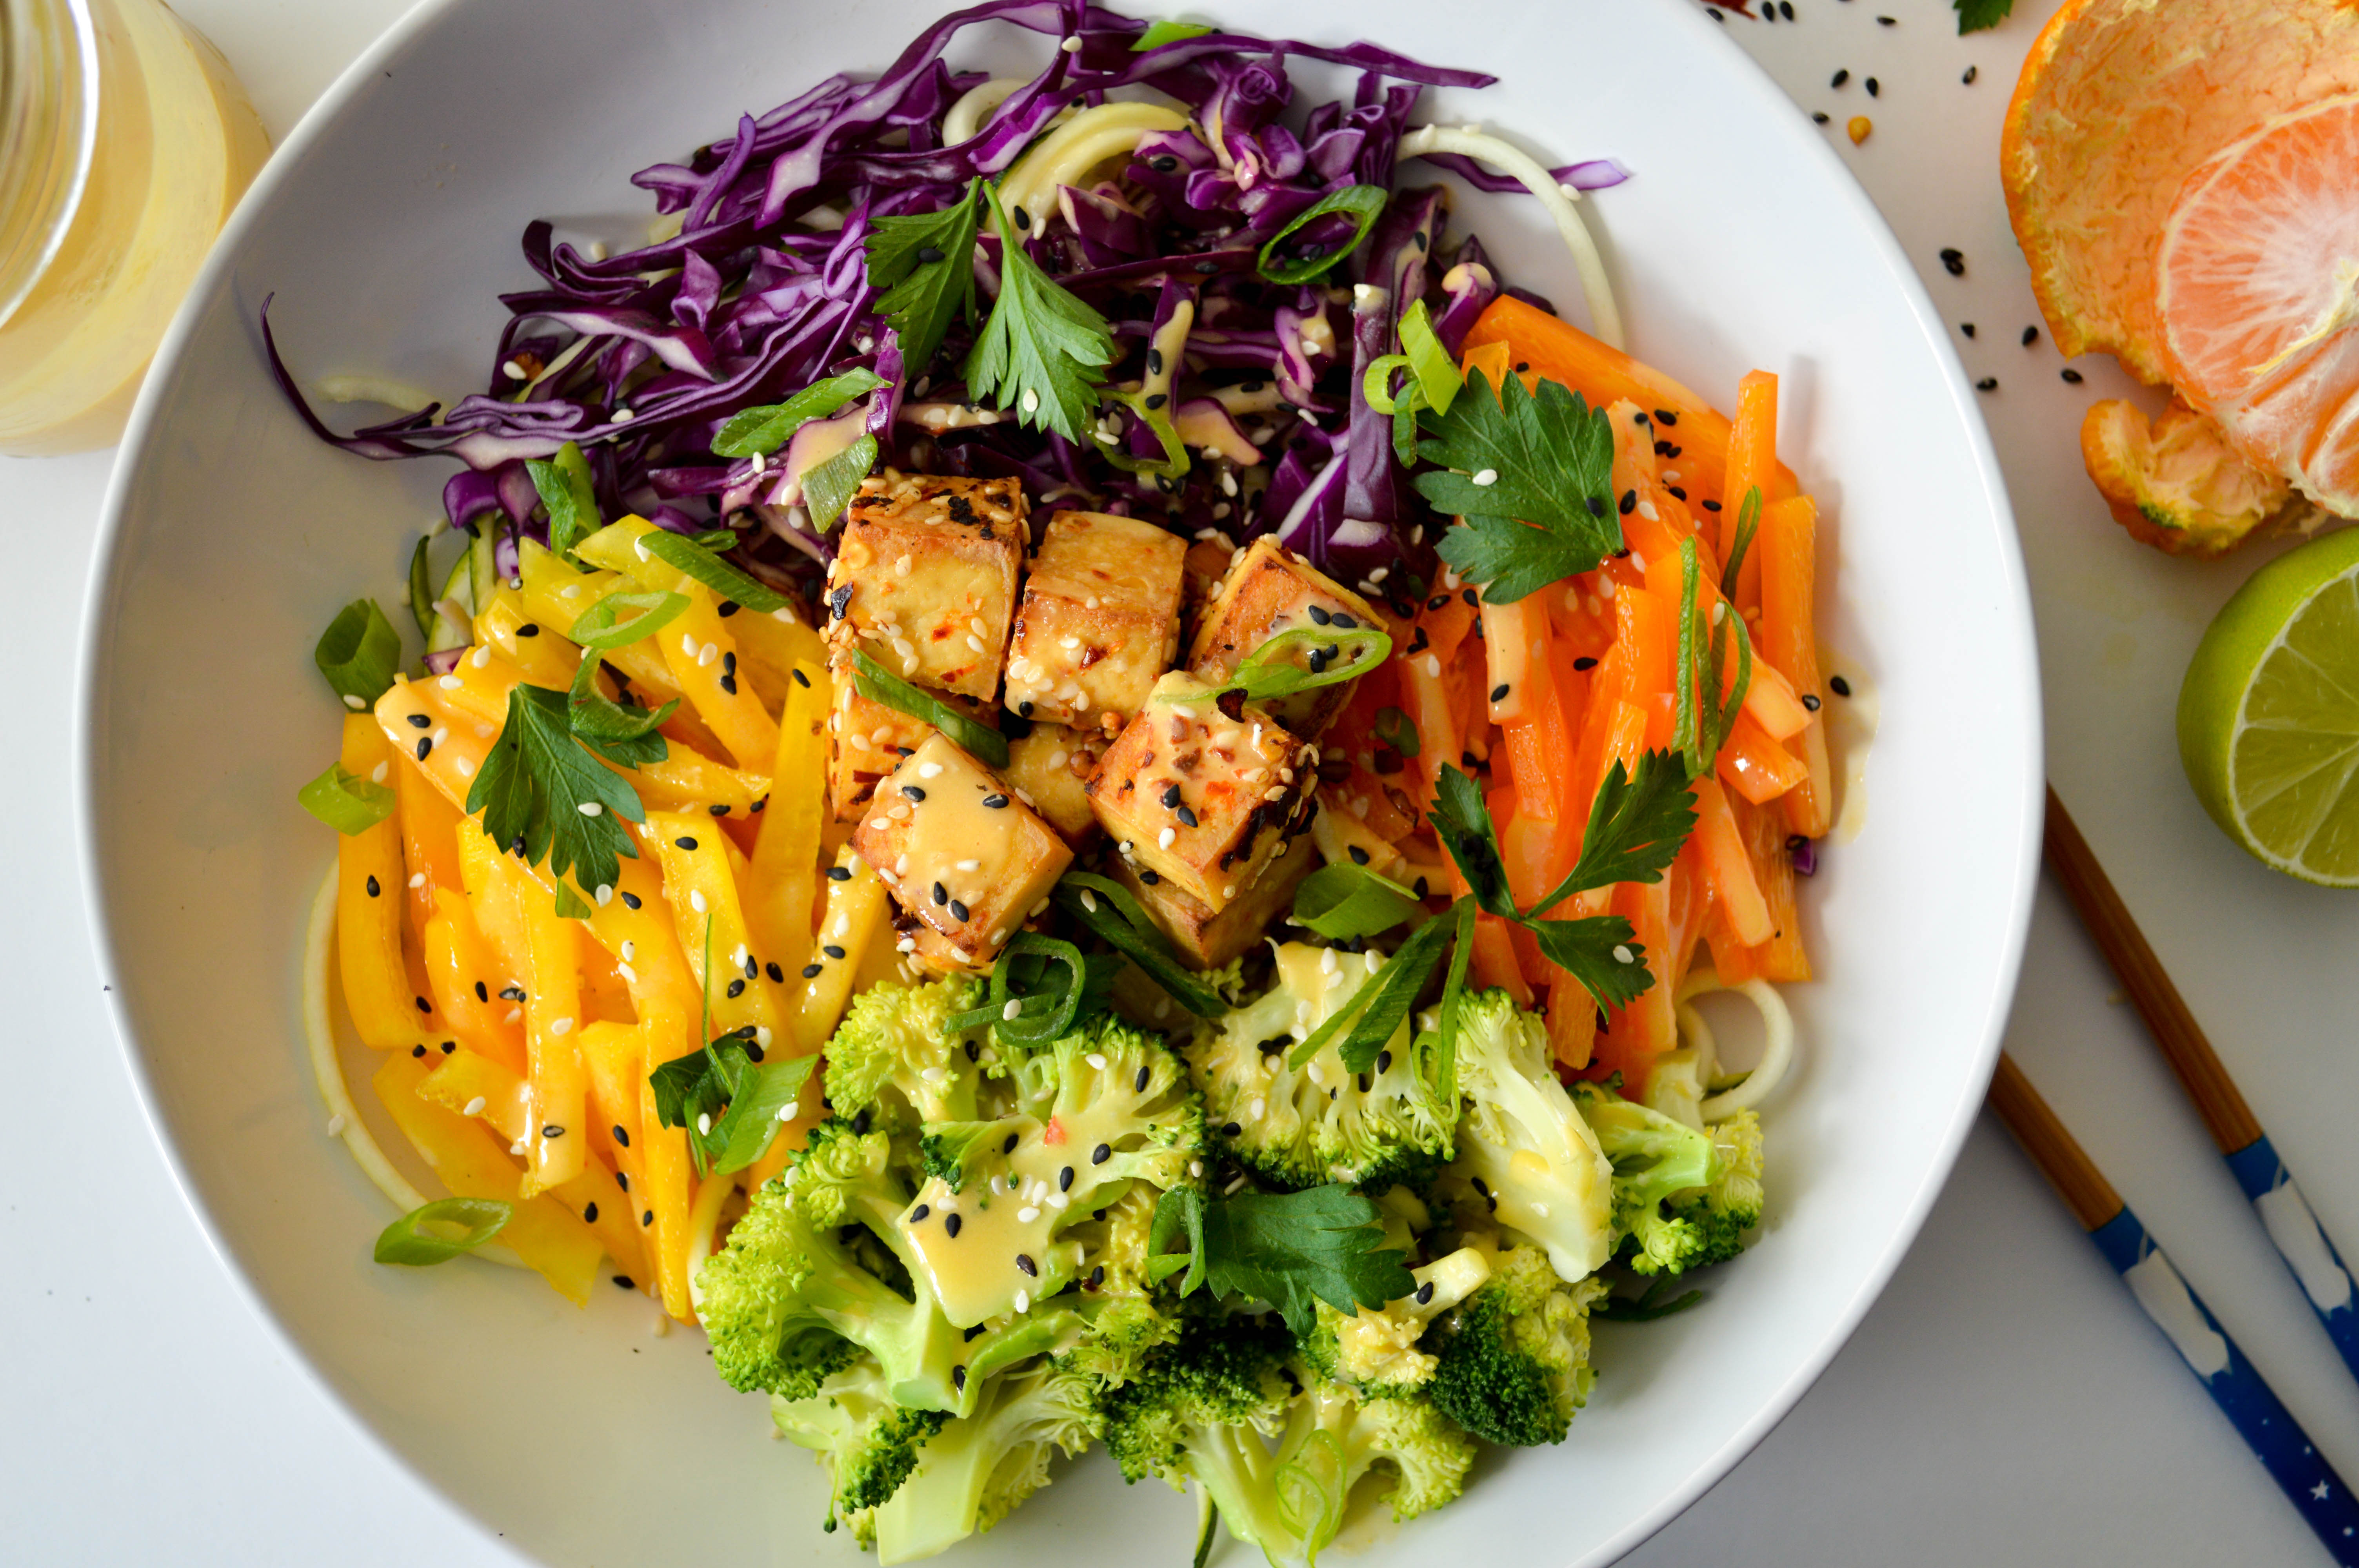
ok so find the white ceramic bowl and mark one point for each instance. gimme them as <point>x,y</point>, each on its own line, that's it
<point>386,225</point>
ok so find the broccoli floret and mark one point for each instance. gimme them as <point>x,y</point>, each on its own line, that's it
<point>1524,1152</point>
<point>1514,1360</point>
<point>974,1471</point>
<point>1374,1352</point>
<point>1730,1204</point>
<point>867,1443</point>
<point>1305,1126</point>
<point>1654,1158</point>
<point>891,1037</point>
<point>1336,1438</point>
<point>1095,1113</point>
<point>791,1282</point>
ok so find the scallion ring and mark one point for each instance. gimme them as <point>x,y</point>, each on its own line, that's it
<point>598,627</point>
<point>674,550</point>
<point>345,801</point>
<point>422,1237</point>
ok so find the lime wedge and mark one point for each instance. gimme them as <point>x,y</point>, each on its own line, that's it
<point>2269,718</point>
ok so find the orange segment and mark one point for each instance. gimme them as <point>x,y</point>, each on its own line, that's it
<point>2177,484</point>
<point>2258,287</point>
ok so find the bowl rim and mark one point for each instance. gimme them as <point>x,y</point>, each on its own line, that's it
<point>93,666</point>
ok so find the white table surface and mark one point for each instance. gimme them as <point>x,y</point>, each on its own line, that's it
<point>2004,1401</point>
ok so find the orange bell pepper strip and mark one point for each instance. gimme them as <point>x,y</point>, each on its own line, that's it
<point>1572,1020</point>
<point>1789,551</point>
<point>551,1238</point>
<point>369,897</point>
<point>1635,1035</point>
<point>541,654</point>
<point>702,656</point>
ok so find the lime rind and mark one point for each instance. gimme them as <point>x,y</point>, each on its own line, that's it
<point>2268,717</point>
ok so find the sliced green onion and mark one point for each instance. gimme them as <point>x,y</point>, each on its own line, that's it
<point>1042,1015</point>
<point>719,541</point>
<point>1376,386</point>
<point>1361,203</point>
<point>598,627</point>
<point>345,801</point>
<point>565,488</point>
<point>1437,374</point>
<point>1748,519</point>
<point>828,486</point>
<point>571,904</point>
<point>421,593</point>
<point>359,653</point>
<point>1269,671</point>
<point>1107,909</point>
<point>1411,399</point>
<point>1403,979</point>
<point>594,717</point>
<point>1396,730</point>
<point>688,556</point>
<point>423,1235</point>
<point>1342,901</point>
<point>743,1132</point>
<point>1157,34</point>
<point>1174,463</point>
<point>978,740</point>
<point>766,429</point>
<point>1453,997</point>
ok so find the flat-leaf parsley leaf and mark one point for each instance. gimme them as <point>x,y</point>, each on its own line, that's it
<point>924,264</point>
<point>1532,476</point>
<point>1044,351</point>
<point>538,777</point>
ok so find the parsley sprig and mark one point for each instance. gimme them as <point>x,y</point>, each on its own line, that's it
<point>1531,475</point>
<point>1291,1249</point>
<point>924,263</point>
<point>538,782</point>
<point>1044,352</point>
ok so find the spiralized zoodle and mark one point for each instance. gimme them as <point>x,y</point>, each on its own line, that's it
<point>1137,870</point>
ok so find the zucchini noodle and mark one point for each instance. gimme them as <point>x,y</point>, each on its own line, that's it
<point>1602,312</point>
<point>965,117</point>
<point>1066,154</point>
<point>1777,1051</point>
<point>343,1115</point>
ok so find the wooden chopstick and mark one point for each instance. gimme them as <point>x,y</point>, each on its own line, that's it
<point>2060,1158</point>
<point>2183,1043</point>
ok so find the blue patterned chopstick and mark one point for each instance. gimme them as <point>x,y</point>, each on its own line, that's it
<point>2310,1483</point>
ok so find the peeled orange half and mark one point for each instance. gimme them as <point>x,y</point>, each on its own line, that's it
<point>2258,289</point>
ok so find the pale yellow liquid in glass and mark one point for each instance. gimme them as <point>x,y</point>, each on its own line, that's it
<point>177,144</point>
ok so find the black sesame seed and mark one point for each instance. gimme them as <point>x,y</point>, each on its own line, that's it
<point>1888,21</point>
<point>942,895</point>
<point>419,721</point>
<point>1499,692</point>
<point>729,684</point>
<point>1100,1154</point>
<point>423,1005</point>
<point>1972,71</point>
<point>1967,328</point>
<point>623,1180</point>
<point>1786,9</point>
<point>1065,1180</point>
<point>1584,663</point>
<point>832,951</point>
<point>1810,700</point>
<point>552,1131</point>
<point>1138,1086</point>
<point>1425,1293</point>
<point>374,890</point>
<point>958,911</point>
<point>1675,490</point>
<point>1097,1277</point>
<point>625,1282</point>
<point>1157,399</point>
<point>1023,1261</point>
<point>1954,261</point>
<point>917,1215</point>
<point>736,989</point>
<point>1009,1147</point>
<point>1437,601</point>
<point>449,1047</point>
<point>1629,502</point>
<point>860,1123</point>
<point>1186,816</point>
<point>648,1219</point>
<point>621,1136</point>
<point>2071,375</point>
<point>1147,876</point>
<point>630,900</point>
<point>1231,1129</point>
<point>912,791</point>
<point>1875,88</point>
<point>1839,686</point>
<point>1419,887</point>
<point>720,810</point>
<point>754,1053</point>
<point>839,873</point>
<point>994,801</point>
<point>1988,384</point>
<point>752,970</point>
<point>512,993</point>
<point>1346,621</point>
<point>1206,269</point>
<point>813,971</point>
<point>950,1223</point>
<point>417,1050</point>
<point>685,842</point>
<point>1023,219</point>
<point>1171,795</point>
<point>977,1332</point>
<point>1712,506</point>
<point>1482,1187</point>
<point>425,744</point>
<point>777,974</point>
<point>2030,336</point>
<point>1320,616</point>
<point>1596,506</point>
<point>1359,856</point>
<point>727,608</point>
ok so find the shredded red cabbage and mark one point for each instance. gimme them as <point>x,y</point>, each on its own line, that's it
<point>641,356</point>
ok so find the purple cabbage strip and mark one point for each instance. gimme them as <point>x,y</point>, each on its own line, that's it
<point>1595,174</point>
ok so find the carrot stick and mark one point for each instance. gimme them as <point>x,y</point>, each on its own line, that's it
<point>1572,1020</point>
<point>1727,867</point>
<point>1755,766</point>
<point>1784,957</point>
<point>1789,551</point>
<point>1752,464</point>
<point>1494,961</point>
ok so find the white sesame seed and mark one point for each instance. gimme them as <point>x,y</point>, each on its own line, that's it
<point>591,808</point>
<point>480,656</point>
<point>417,879</point>
<point>1023,1298</point>
<point>1622,955</point>
<point>931,770</point>
<point>705,1123</point>
<point>688,644</point>
<point>354,703</point>
<point>1089,899</point>
<point>1254,1111</point>
<point>902,567</point>
<point>1432,666</point>
<point>518,1147</point>
<point>1026,1216</point>
<point>792,1109</point>
<point>1031,401</point>
<point>906,944</point>
<point>1486,476</point>
<point>571,590</point>
<point>1013,1010</point>
<point>1195,1167</point>
<point>696,899</point>
<point>474,1107</point>
<point>934,1074</point>
<point>1057,1200</point>
<point>630,975</point>
<point>1097,1059</point>
<point>604,896</point>
<point>1163,839</point>
<point>561,1026</point>
<point>707,654</point>
<point>975,644</point>
<point>336,1125</point>
<point>516,1015</point>
<point>376,773</point>
<point>1719,612</point>
<point>1327,965</point>
<point>1647,509</point>
<point>1072,46</point>
<point>466,769</point>
<point>625,416</point>
<point>452,683</point>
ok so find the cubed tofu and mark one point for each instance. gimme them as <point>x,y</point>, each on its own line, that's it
<point>960,851</point>
<point>1051,768</point>
<point>1270,591</point>
<point>1206,940</point>
<point>924,579</point>
<point>868,739</point>
<point>1202,797</point>
<point>1100,620</point>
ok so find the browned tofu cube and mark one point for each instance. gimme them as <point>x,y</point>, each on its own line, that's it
<point>960,851</point>
<point>1206,940</point>
<point>924,579</point>
<point>1199,796</point>
<point>1100,620</point>
<point>1050,768</point>
<point>868,739</point>
<point>1270,591</point>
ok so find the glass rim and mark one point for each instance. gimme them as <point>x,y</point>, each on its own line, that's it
<point>49,104</point>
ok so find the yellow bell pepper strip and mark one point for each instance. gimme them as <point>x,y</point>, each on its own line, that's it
<point>465,981</point>
<point>369,879</point>
<point>616,1055</point>
<point>698,882</point>
<point>555,595</point>
<point>703,659</point>
<point>605,998</point>
<point>429,843</point>
<point>784,887</point>
<point>556,1139</point>
<point>688,780</point>
<point>769,646</point>
<point>551,1241</point>
<point>454,741</point>
<point>856,917</point>
<point>496,890</point>
<point>544,653</point>
<point>474,1086</point>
